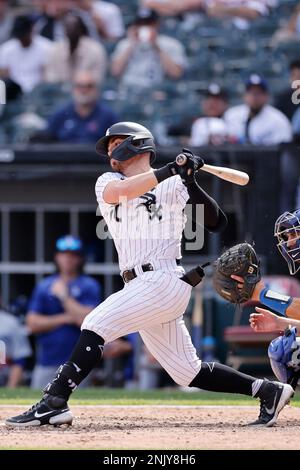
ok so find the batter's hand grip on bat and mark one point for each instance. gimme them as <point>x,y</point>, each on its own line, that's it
<point>228,174</point>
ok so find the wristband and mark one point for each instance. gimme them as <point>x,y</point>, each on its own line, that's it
<point>277,302</point>
<point>165,172</point>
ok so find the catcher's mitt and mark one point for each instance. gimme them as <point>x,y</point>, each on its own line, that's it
<point>242,261</point>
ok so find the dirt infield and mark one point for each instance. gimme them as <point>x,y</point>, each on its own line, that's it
<point>152,427</point>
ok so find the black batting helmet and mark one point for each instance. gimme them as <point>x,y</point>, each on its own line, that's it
<point>138,140</point>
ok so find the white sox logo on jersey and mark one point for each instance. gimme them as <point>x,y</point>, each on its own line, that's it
<point>149,204</point>
<point>150,226</point>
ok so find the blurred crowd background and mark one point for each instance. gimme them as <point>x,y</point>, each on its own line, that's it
<point>223,75</point>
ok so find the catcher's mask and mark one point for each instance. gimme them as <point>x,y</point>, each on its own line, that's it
<point>138,140</point>
<point>289,224</point>
<point>284,354</point>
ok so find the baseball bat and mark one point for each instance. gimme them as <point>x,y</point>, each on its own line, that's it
<point>228,174</point>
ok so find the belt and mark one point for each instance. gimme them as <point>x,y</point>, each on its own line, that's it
<point>131,274</point>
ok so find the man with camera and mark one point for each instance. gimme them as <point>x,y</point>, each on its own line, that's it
<point>145,58</point>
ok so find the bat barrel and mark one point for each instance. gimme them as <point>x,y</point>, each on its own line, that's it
<point>181,159</point>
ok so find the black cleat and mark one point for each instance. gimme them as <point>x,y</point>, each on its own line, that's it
<point>273,397</point>
<point>50,410</point>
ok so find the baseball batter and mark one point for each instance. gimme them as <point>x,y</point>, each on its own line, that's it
<point>143,209</point>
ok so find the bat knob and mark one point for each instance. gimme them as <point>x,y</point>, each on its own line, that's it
<point>181,159</point>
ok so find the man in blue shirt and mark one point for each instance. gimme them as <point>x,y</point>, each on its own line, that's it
<point>13,337</point>
<point>57,308</point>
<point>86,117</point>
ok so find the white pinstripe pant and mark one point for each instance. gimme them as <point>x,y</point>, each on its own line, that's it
<point>152,304</point>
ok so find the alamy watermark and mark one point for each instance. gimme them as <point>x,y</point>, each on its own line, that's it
<point>2,353</point>
<point>149,221</point>
<point>296,94</point>
<point>2,92</point>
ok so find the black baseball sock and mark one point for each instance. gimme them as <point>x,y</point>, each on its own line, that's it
<point>85,356</point>
<point>216,377</point>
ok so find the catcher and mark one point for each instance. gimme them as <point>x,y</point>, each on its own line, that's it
<point>237,279</point>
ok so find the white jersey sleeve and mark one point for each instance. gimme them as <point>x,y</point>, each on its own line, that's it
<point>102,182</point>
<point>182,195</point>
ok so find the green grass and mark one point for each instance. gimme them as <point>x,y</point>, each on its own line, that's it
<point>104,396</point>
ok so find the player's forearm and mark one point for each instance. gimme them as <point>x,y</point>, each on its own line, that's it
<point>224,11</point>
<point>38,323</point>
<point>174,7</point>
<point>244,12</point>
<point>187,5</point>
<point>284,323</point>
<point>77,310</point>
<point>128,189</point>
<point>293,311</point>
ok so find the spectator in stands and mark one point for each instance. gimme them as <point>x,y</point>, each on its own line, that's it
<point>285,101</point>
<point>248,10</point>
<point>82,120</point>
<point>76,52</point>
<point>290,167</point>
<point>50,20</point>
<point>145,57</point>
<point>57,308</point>
<point>17,349</point>
<point>6,21</point>
<point>106,16</point>
<point>174,7</point>
<point>240,12</point>
<point>24,57</point>
<point>289,32</point>
<point>255,121</point>
<point>211,127</point>
<point>243,11</point>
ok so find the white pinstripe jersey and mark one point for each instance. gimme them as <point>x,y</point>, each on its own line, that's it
<point>146,228</point>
